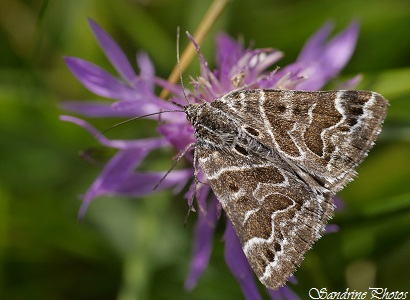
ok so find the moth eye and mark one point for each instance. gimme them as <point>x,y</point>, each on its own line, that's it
<point>251,131</point>
<point>241,150</point>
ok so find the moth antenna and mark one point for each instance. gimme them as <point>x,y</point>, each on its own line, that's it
<point>179,68</point>
<point>176,103</point>
<point>139,117</point>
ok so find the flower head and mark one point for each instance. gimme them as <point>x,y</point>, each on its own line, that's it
<point>133,95</point>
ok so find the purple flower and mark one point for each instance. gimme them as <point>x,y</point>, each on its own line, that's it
<point>133,95</point>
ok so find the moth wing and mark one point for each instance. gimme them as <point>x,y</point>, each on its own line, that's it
<point>276,216</point>
<point>324,133</point>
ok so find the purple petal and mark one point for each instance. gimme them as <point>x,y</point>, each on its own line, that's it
<point>172,88</point>
<point>229,52</point>
<point>238,264</point>
<point>314,76</point>
<point>147,144</point>
<point>351,83</point>
<point>326,61</point>
<point>147,104</point>
<point>95,109</point>
<point>284,293</point>
<point>254,62</point>
<point>144,84</point>
<point>318,61</point>
<point>119,178</point>
<point>146,66</point>
<point>340,49</point>
<point>287,78</point>
<point>332,228</point>
<point>339,204</point>
<point>113,52</point>
<point>270,58</point>
<point>98,80</point>
<point>315,43</point>
<point>206,73</point>
<point>180,135</point>
<point>204,233</point>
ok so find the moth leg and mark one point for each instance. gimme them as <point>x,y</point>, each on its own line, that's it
<point>175,163</point>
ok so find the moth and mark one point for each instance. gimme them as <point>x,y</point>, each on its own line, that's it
<point>276,158</point>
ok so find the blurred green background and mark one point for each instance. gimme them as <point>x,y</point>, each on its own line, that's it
<point>138,248</point>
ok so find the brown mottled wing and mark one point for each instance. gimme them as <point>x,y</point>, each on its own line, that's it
<point>275,158</point>
<point>276,215</point>
<point>326,134</point>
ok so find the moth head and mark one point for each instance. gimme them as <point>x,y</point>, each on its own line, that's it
<point>192,111</point>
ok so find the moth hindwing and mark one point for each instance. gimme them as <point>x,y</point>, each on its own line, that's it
<point>275,159</point>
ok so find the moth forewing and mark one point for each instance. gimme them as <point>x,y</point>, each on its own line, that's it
<point>275,159</point>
